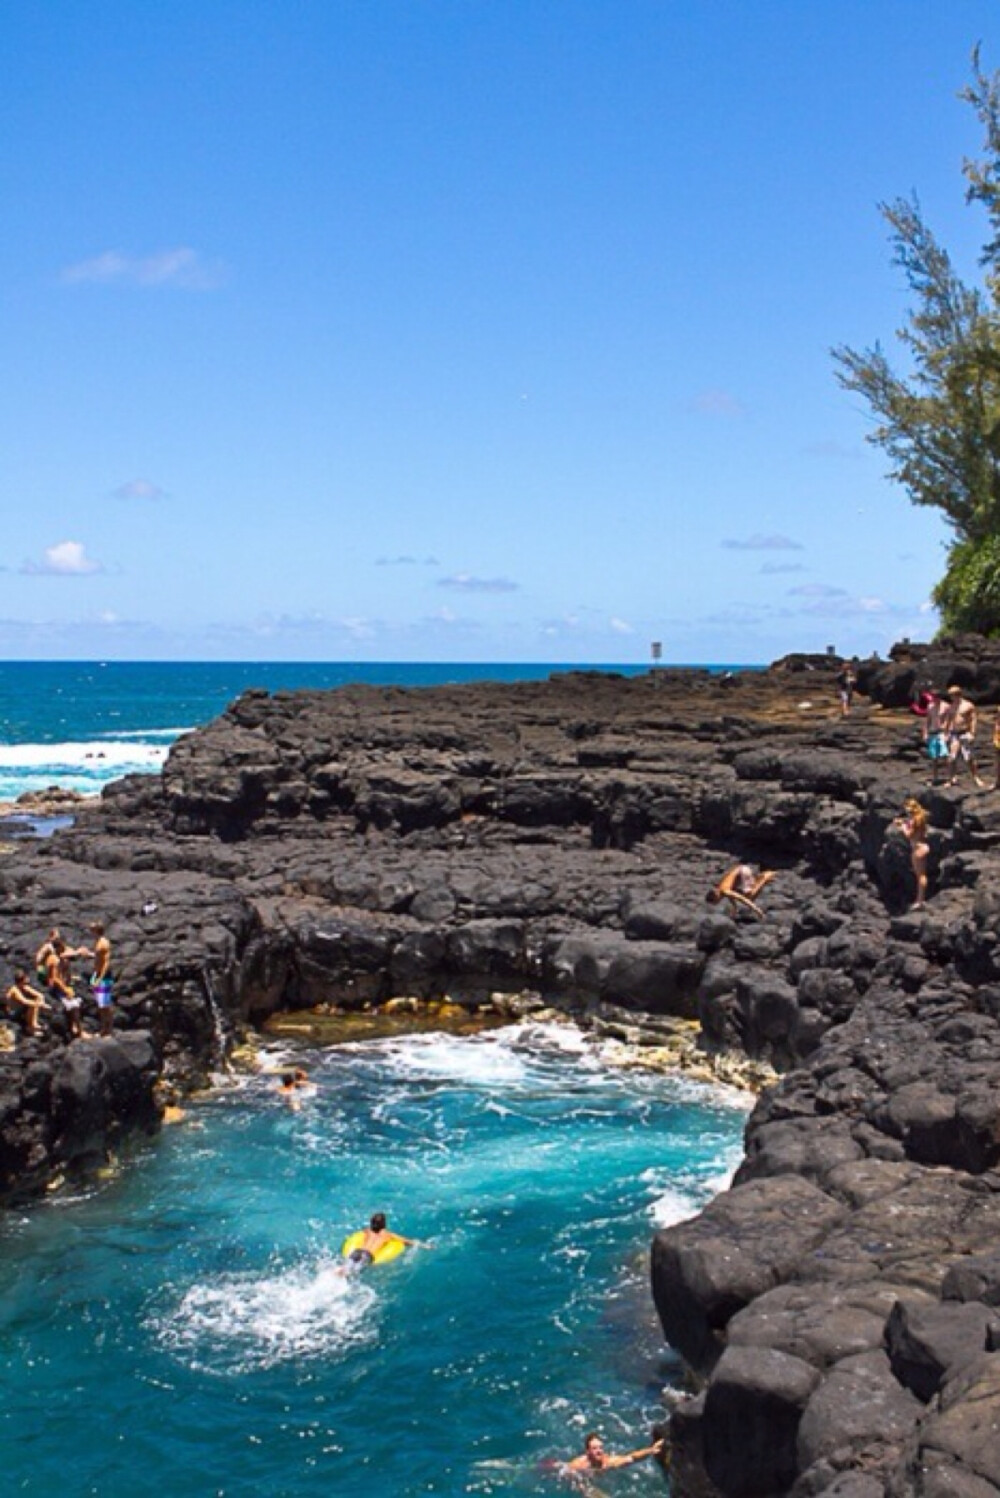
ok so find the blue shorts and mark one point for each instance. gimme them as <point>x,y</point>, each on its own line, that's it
<point>101,989</point>
<point>937,746</point>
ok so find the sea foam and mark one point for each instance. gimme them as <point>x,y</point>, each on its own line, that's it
<point>235,1323</point>
<point>84,766</point>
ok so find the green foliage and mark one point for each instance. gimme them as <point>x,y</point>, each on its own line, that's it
<point>940,425</point>
<point>969,593</point>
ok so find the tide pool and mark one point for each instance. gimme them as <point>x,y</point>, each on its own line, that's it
<point>184,1328</point>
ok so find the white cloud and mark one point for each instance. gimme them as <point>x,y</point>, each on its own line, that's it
<point>407,561</point>
<point>620,627</point>
<point>179,267</point>
<point>758,542</point>
<point>65,559</point>
<point>464,582</point>
<point>816,590</point>
<point>140,489</point>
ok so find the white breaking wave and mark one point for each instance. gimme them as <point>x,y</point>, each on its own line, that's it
<point>506,1057</point>
<point>682,1196</point>
<point>672,1206</point>
<point>83,766</point>
<point>82,755</point>
<point>238,1323</point>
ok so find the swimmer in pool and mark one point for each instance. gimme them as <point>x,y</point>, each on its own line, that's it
<point>594,1458</point>
<point>292,1084</point>
<point>377,1236</point>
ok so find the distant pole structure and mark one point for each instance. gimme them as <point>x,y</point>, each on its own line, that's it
<point>656,651</point>
<point>831,650</point>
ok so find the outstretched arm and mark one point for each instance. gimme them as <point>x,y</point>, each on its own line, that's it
<point>636,1456</point>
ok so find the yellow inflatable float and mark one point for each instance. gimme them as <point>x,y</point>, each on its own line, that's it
<point>384,1255</point>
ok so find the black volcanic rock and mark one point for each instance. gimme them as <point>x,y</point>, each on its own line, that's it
<point>345,848</point>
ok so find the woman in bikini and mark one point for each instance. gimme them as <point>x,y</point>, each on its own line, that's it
<point>741,885</point>
<point>913,825</point>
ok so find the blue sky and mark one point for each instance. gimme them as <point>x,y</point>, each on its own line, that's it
<point>463,329</point>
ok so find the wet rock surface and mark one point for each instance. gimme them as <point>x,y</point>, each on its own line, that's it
<point>555,841</point>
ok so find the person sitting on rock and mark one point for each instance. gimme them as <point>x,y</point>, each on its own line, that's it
<point>594,1458</point>
<point>741,885</point>
<point>24,1002</point>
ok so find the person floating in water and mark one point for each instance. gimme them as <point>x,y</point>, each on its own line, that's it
<point>594,1458</point>
<point>375,1237</point>
<point>741,885</point>
<point>291,1086</point>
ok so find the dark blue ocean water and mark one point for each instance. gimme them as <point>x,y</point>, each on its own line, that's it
<point>184,1327</point>
<point>79,724</point>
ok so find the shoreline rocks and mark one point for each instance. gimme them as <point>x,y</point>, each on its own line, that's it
<point>837,1305</point>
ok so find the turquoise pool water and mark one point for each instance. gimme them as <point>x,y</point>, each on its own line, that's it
<point>184,1329</point>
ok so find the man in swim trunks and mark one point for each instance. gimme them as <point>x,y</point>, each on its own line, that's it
<point>101,981</point>
<point>377,1236</point>
<point>59,982</point>
<point>962,724</point>
<point>595,1459</point>
<point>935,732</point>
<point>741,885</point>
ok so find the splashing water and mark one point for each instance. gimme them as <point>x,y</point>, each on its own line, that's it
<point>188,1322</point>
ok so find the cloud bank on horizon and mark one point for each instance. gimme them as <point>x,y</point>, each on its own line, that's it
<point>422,334</point>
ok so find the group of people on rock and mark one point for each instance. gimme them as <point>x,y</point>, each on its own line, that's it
<point>950,722</point>
<point>56,992</point>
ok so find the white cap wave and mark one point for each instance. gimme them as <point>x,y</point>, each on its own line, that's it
<point>237,1323</point>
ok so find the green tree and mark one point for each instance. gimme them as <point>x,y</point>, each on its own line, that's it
<point>940,425</point>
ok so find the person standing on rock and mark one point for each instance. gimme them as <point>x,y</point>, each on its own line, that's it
<point>962,724</point>
<point>59,982</point>
<point>935,733</point>
<point>913,825</point>
<point>42,955</point>
<point>846,685</point>
<point>101,981</point>
<point>741,885</point>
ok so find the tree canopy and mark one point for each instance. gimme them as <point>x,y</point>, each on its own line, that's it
<point>940,424</point>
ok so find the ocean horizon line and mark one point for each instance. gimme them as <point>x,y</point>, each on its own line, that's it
<point>465,665</point>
